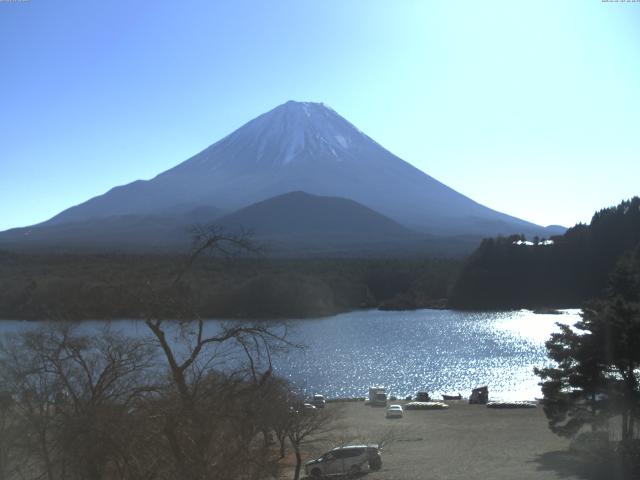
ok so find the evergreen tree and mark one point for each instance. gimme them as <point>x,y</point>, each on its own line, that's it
<point>504,273</point>
<point>573,389</point>
<point>597,375</point>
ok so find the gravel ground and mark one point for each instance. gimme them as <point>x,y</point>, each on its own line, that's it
<point>462,442</point>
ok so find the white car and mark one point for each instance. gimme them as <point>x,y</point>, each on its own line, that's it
<point>395,411</point>
<point>350,460</point>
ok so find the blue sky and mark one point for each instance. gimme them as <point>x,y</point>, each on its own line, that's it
<point>531,108</point>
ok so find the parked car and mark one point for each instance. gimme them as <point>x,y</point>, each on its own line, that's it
<point>349,460</point>
<point>377,397</point>
<point>318,401</point>
<point>479,395</point>
<point>307,409</point>
<point>395,411</point>
<point>423,397</point>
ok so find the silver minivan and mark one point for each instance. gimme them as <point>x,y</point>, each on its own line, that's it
<point>349,460</point>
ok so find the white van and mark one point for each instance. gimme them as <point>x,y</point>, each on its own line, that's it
<point>349,460</point>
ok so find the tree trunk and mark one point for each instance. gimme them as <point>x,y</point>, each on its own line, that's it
<point>3,461</point>
<point>266,438</point>
<point>625,426</point>
<point>593,411</point>
<point>296,448</point>
<point>45,454</point>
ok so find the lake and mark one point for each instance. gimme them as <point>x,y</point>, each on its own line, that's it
<point>439,351</point>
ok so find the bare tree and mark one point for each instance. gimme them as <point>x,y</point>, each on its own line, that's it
<point>74,393</point>
<point>306,427</point>
<point>8,432</point>
<point>278,399</point>
<point>212,417</point>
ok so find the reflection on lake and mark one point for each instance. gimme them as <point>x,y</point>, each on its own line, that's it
<point>440,351</point>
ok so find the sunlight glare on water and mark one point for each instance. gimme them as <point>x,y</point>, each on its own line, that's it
<point>440,351</point>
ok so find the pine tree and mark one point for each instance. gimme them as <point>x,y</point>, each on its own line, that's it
<point>597,375</point>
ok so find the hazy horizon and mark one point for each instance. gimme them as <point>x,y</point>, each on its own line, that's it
<point>529,109</point>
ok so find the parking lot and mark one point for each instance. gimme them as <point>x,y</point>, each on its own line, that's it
<point>462,442</point>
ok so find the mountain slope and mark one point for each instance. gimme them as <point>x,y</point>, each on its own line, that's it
<point>134,232</point>
<point>295,219</point>
<point>303,147</point>
<point>302,214</point>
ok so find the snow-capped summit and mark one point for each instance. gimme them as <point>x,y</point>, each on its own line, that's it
<point>302,146</point>
<point>291,132</point>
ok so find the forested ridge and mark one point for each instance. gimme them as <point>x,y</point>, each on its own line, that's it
<point>507,272</point>
<point>118,286</point>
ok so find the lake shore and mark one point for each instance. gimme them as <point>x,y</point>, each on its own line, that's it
<point>439,351</point>
<point>463,442</point>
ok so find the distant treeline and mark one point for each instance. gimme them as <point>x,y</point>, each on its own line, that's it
<point>509,273</point>
<point>123,286</point>
<point>503,273</point>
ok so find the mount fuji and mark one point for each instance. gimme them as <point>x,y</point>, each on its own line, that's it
<point>296,147</point>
